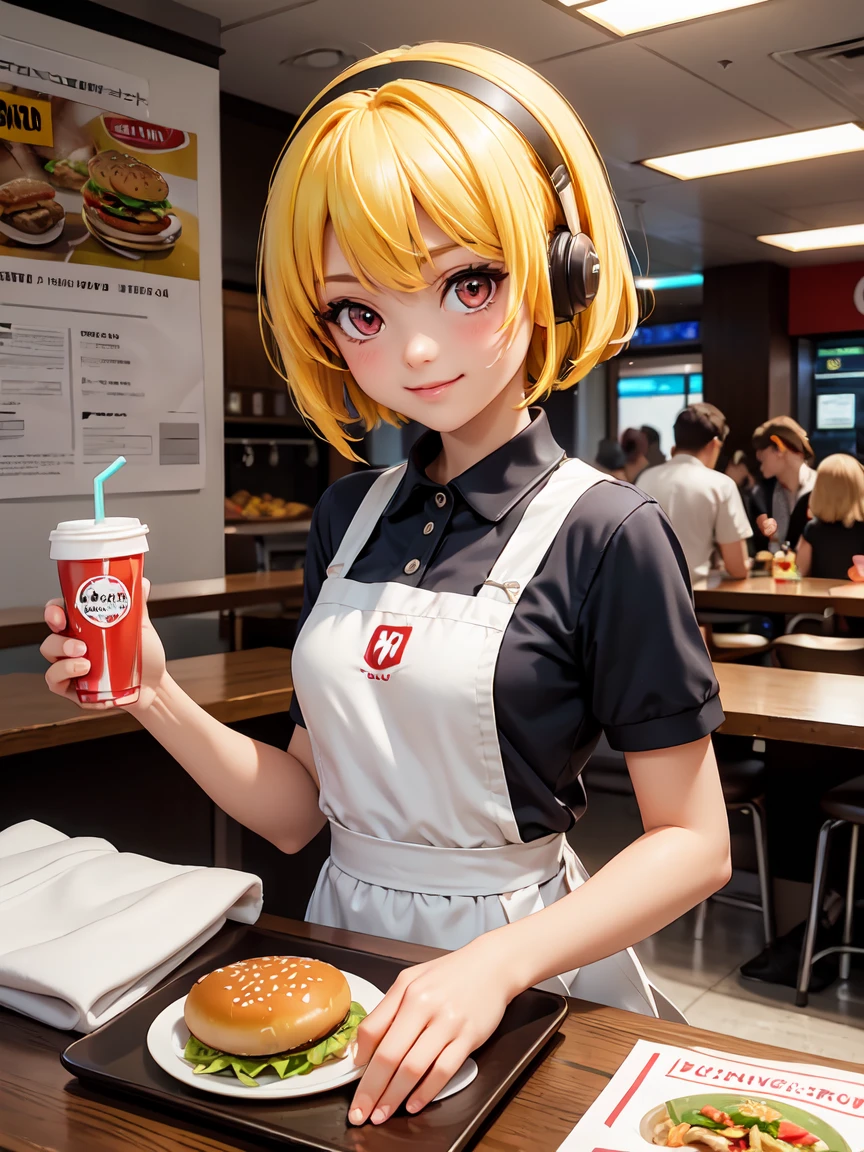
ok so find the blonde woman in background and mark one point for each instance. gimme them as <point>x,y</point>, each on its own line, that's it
<point>474,618</point>
<point>836,531</point>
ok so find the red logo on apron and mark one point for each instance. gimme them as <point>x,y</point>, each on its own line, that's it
<point>386,646</point>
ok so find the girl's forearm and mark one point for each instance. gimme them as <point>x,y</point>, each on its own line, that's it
<point>653,881</point>
<point>263,788</point>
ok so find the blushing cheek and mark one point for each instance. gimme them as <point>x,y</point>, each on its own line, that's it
<point>478,334</point>
<point>365,361</point>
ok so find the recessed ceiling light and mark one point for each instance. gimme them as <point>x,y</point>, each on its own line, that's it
<point>847,236</point>
<point>321,59</point>
<point>658,283</point>
<point>624,17</point>
<point>785,149</point>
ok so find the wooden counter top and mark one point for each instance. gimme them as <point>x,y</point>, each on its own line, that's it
<point>44,1109</point>
<point>232,686</point>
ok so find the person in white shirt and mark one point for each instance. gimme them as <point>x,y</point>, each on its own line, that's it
<point>704,506</point>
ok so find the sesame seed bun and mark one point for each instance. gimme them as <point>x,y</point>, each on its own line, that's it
<point>267,1005</point>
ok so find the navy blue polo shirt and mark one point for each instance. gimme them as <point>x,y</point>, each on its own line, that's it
<point>603,638</point>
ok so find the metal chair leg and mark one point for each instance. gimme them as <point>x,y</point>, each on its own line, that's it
<point>846,958</point>
<point>701,917</point>
<point>766,895</point>
<point>816,897</point>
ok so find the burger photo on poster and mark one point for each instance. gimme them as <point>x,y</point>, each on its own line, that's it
<point>282,1014</point>
<point>29,213</point>
<point>65,161</point>
<point>126,201</point>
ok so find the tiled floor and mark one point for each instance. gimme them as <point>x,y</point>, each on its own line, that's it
<point>702,978</point>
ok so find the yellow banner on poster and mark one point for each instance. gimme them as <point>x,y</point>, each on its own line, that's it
<point>25,119</point>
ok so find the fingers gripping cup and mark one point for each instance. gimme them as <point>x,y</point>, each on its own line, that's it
<point>100,564</point>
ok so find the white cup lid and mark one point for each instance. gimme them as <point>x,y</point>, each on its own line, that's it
<point>85,539</point>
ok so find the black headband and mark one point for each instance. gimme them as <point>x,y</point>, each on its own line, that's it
<point>461,80</point>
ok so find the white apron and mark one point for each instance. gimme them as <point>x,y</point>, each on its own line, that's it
<point>396,687</point>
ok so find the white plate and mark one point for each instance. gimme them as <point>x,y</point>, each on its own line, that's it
<point>135,239</point>
<point>167,1036</point>
<point>34,238</point>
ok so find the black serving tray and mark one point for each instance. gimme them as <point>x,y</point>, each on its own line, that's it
<point>116,1058</point>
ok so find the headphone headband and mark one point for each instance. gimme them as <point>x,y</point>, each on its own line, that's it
<point>461,80</point>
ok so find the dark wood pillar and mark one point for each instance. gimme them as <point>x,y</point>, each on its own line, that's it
<point>746,349</point>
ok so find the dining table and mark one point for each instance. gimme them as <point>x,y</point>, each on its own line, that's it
<point>763,594</point>
<point>823,708</point>
<point>45,1109</point>
<point>26,625</point>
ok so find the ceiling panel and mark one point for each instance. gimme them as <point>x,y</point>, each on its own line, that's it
<point>251,66</point>
<point>748,37</point>
<point>233,11</point>
<point>712,201</point>
<point>637,105</point>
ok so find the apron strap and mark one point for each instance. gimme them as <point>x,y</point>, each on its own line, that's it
<point>365,519</point>
<point>521,556</point>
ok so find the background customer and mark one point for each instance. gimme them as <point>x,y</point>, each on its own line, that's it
<point>836,532</point>
<point>784,454</point>
<point>704,506</point>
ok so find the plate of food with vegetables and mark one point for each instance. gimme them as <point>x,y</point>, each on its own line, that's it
<point>729,1123</point>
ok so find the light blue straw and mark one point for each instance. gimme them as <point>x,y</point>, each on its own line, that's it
<point>98,494</point>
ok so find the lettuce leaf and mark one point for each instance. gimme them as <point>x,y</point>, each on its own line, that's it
<point>285,1064</point>
<point>159,207</point>
<point>76,165</point>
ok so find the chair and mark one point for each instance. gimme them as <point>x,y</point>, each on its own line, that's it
<point>729,647</point>
<point>743,781</point>
<point>842,805</point>
<point>842,654</point>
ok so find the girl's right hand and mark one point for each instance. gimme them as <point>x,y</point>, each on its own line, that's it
<point>68,659</point>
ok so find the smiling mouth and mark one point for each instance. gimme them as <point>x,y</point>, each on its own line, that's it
<point>434,389</point>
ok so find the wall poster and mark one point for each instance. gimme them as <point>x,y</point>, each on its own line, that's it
<point>100,318</point>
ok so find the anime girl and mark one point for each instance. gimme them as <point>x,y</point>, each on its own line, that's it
<point>441,245</point>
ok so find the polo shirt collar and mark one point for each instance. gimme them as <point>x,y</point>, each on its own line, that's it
<point>495,484</point>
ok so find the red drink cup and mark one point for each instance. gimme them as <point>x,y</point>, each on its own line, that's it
<point>100,567</point>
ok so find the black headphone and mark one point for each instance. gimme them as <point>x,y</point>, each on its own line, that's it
<point>574,267</point>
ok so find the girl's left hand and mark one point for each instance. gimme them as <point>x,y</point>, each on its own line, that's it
<point>426,1026</point>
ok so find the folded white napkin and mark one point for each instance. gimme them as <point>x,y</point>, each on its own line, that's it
<point>85,930</point>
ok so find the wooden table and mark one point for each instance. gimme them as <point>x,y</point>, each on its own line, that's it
<point>785,704</point>
<point>762,594</point>
<point>243,590</point>
<point>44,1109</point>
<point>231,686</point>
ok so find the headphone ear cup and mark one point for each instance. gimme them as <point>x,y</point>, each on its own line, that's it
<point>574,273</point>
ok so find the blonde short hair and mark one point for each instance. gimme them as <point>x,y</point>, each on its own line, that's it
<point>838,493</point>
<point>364,161</point>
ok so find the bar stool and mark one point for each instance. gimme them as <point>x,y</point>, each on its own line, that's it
<point>743,780</point>
<point>842,805</point>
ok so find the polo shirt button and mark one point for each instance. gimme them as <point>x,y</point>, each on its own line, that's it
<point>430,527</point>
<point>411,567</point>
<point>440,499</point>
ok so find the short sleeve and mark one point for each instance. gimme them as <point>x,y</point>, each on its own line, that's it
<point>650,678</point>
<point>732,523</point>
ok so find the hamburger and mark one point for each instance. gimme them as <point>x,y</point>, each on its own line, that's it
<point>66,160</point>
<point>28,211</point>
<point>287,1014</point>
<point>125,198</point>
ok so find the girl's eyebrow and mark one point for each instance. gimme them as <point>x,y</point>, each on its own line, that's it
<point>347,278</point>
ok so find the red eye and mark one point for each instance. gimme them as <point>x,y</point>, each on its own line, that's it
<point>358,321</point>
<point>470,293</point>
